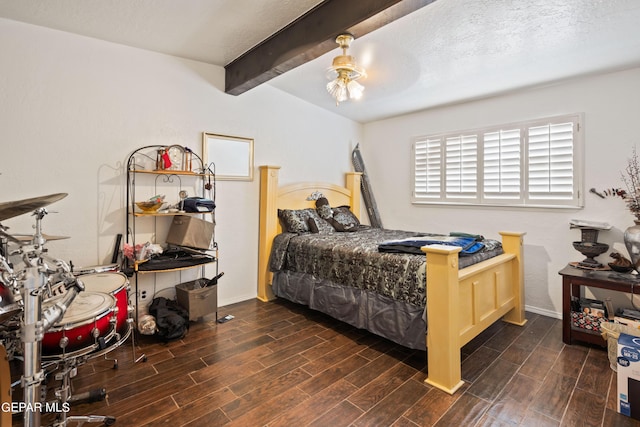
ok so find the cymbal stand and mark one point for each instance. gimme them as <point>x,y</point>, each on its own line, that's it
<point>35,323</point>
<point>31,336</point>
<point>38,238</point>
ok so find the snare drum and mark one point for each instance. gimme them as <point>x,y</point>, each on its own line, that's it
<point>89,317</point>
<point>92,269</point>
<point>115,284</point>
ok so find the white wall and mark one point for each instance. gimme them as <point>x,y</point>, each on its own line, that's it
<point>72,109</point>
<point>611,106</point>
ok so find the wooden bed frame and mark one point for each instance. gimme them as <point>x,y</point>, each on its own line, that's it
<point>460,303</point>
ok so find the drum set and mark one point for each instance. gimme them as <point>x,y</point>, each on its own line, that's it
<point>53,319</point>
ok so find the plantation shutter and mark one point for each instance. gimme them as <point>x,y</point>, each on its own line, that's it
<point>537,163</point>
<point>502,171</point>
<point>461,166</point>
<point>427,168</point>
<point>551,161</point>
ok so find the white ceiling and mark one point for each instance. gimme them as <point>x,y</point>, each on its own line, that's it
<point>447,52</point>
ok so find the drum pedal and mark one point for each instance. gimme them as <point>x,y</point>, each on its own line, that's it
<point>89,397</point>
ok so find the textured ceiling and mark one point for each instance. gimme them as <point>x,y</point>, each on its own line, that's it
<point>447,52</point>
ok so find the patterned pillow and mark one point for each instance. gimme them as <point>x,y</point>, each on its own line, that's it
<point>297,221</point>
<point>343,216</point>
<point>323,208</point>
<point>321,225</point>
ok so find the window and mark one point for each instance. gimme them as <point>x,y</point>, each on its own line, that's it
<point>535,163</point>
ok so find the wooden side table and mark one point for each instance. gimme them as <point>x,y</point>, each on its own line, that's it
<point>572,281</point>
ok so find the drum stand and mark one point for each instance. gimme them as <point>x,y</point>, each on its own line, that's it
<point>36,322</point>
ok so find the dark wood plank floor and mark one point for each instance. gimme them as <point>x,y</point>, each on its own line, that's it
<point>280,364</point>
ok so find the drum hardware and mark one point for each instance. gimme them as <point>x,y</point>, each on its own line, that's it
<point>5,387</point>
<point>65,398</point>
<point>93,269</point>
<point>31,337</point>
<point>36,322</point>
<point>28,287</point>
<point>29,238</point>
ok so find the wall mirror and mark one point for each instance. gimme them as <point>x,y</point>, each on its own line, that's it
<point>232,156</point>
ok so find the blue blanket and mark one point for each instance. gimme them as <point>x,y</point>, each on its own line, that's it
<point>470,245</point>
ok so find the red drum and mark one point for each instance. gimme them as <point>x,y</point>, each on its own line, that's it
<point>89,317</point>
<point>115,284</point>
<point>92,269</point>
<point>8,307</point>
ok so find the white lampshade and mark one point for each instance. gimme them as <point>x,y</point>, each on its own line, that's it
<point>355,89</point>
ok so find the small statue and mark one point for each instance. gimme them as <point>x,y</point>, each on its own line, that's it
<point>620,261</point>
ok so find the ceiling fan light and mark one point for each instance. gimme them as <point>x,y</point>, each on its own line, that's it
<point>344,72</point>
<point>335,86</point>
<point>355,89</point>
<point>337,89</point>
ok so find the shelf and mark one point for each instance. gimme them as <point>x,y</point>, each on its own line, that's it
<point>140,169</point>
<point>141,214</point>
<point>170,172</point>
<point>150,267</point>
<point>573,280</point>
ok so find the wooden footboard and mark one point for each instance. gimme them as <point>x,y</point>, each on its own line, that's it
<point>463,303</point>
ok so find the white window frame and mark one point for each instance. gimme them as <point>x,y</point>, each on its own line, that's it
<point>449,169</point>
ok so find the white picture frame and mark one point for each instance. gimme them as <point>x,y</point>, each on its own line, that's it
<point>229,157</point>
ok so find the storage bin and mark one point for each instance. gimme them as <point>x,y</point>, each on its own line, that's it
<point>610,332</point>
<point>191,232</point>
<point>586,321</point>
<point>198,301</point>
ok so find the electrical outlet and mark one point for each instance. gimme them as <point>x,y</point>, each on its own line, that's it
<point>143,295</point>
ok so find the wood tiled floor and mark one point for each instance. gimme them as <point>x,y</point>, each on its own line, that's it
<point>280,364</point>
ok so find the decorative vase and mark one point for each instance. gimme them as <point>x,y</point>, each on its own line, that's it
<point>632,242</point>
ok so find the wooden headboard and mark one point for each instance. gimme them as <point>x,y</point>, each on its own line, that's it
<point>293,196</point>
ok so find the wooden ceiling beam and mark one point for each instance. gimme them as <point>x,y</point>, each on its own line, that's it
<point>310,36</point>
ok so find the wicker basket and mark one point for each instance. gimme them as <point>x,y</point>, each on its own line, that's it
<point>610,332</point>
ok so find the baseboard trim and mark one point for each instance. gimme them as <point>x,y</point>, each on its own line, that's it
<point>543,312</point>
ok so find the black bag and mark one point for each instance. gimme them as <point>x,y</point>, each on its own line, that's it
<point>172,320</point>
<point>198,204</point>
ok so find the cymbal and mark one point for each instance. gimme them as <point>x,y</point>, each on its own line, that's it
<point>29,237</point>
<point>19,207</point>
<point>9,237</point>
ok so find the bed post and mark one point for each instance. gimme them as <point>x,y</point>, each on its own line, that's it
<point>512,244</point>
<point>268,228</point>
<point>352,183</point>
<point>443,336</point>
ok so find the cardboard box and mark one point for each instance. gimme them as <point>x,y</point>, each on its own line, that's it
<point>196,300</point>
<point>628,322</point>
<point>629,376</point>
<point>191,232</point>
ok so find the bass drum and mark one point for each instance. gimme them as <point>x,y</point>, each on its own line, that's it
<point>115,284</point>
<point>88,322</point>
